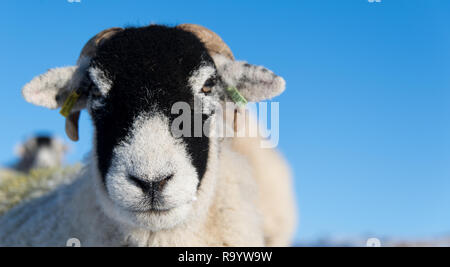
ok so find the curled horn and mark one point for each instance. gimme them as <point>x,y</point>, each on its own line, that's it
<point>212,41</point>
<point>89,51</point>
<point>90,48</point>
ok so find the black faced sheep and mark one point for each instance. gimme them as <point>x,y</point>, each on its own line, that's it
<point>144,185</point>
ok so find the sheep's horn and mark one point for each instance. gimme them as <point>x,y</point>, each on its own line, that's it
<point>90,48</point>
<point>212,41</point>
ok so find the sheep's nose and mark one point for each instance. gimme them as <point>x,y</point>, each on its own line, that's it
<point>151,186</point>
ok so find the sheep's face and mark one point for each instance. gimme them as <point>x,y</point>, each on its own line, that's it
<point>134,88</point>
<point>138,76</point>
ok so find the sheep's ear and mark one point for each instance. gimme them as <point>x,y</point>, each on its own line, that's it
<point>255,83</point>
<point>52,88</point>
<point>48,89</point>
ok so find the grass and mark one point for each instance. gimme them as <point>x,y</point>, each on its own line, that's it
<point>16,188</point>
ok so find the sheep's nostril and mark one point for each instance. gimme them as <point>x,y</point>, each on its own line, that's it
<point>141,183</point>
<point>152,188</point>
<point>151,185</point>
<point>159,185</point>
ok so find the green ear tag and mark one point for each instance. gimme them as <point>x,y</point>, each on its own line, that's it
<point>237,98</point>
<point>69,103</point>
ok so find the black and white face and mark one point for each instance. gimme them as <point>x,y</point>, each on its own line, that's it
<point>147,175</point>
<point>137,77</point>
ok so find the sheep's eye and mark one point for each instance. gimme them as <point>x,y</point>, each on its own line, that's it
<point>94,91</point>
<point>209,84</point>
<point>89,88</point>
<point>206,89</point>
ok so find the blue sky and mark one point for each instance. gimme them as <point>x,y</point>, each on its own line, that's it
<point>365,119</point>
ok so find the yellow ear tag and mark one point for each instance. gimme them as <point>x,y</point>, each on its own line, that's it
<point>69,104</point>
<point>237,98</point>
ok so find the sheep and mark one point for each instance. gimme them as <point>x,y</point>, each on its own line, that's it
<point>38,170</point>
<point>40,151</point>
<point>143,184</point>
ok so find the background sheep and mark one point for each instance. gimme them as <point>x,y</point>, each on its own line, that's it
<point>142,185</point>
<point>41,151</point>
<point>38,171</point>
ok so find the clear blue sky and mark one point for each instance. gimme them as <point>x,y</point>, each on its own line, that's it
<point>365,119</point>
